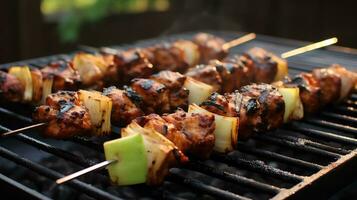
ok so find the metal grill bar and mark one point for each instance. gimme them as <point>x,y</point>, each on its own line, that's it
<point>323,134</point>
<point>279,157</point>
<point>343,118</point>
<point>324,123</point>
<point>258,166</point>
<point>14,184</point>
<point>298,146</point>
<point>15,115</point>
<point>204,187</point>
<point>86,188</point>
<point>351,103</point>
<point>310,143</point>
<point>201,167</point>
<point>345,110</point>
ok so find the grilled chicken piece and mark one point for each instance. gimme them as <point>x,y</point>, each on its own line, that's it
<point>65,115</point>
<point>111,70</point>
<point>124,108</point>
<point>245,72</point>
<point>167,57</point>
<point>11,89</point>
<point>234,74</point>
<point>167,129</point>
<point>310,91</point>
<point>174,82</point>
<point>224,105</point>
<point>265,68</point>
<point>155,96</point>
<point>210,47</point>
<point>198,128</point>
<point>262,109</point>
<point>132,64</point>
<point>207,74</point>
<point>330,84</point>
<point>348,79</point>
<point>64,77</point>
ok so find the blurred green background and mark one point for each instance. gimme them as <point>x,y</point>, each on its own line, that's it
<point>33,28</point>
<point>71,14</point>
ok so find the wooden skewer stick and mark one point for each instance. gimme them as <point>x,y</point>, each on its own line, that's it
<point>310,47</point>
<point>85,171</point>
<point>14,132</point>
<point>239,41</point>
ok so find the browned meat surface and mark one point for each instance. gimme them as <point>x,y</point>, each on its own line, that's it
<point>224,105</point>
<point>167,129</point>
<point>310,91</point>
<point>198,128</point>
<point>64,77</point>
<point>262,109</point>
<point>155,96</point>
<point>11,89</point>
<point>111,74</point>
<point>265,68</point>
<point>210,47</point>
<point>124,109</point>
<point>174,81</point>
<point>245,72</point>
<point>132,64</point>
<point>234,74</point>
<point>65,115</point>
<point>330,84</point>
<point>207,74</point>
<point>167,57</point>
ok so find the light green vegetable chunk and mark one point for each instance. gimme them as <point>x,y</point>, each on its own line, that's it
<point>131,167</point>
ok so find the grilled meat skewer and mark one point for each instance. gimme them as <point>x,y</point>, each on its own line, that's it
<point>260,107</point>
<point>257,107</point>
<point>95,71</point>
<point>163,92</point>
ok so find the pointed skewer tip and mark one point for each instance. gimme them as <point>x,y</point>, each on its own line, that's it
<point>309,47</point>
<point>85,171</point>
<point>240,40</point>
<point>17,131</point>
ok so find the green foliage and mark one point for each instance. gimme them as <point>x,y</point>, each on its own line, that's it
<point>71,14</point>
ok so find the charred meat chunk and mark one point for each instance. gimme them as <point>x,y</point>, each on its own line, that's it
<point>262,109</point>
<point>132,64</point>
<point>310,91</point>
<point>210,47</point>
<point>265,68</point>
<point>167,129</point>
<point>124,109</point>
<point>207,74</point>
<point>11,89</point>
<point>64,76</point>
<point>167,57</point>
<point>330,84</point>
<point>198,128</point>
<point>174,82</point>
<point>155,96</point>
<point>225,105</point>
<point>64,114</point>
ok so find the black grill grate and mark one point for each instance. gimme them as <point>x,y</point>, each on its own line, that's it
<point>298,159</point>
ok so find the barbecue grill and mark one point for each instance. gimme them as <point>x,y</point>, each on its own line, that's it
<point>312,157</point>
